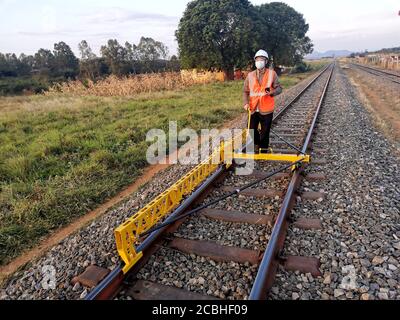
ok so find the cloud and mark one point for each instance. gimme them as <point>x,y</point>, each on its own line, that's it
<point>355,33</point>
<point>49,33</point>
<point>6,2</point>
<point>67,33</point>
<point>119,15</point>
<point>378,16</point>
<point>104,35</point>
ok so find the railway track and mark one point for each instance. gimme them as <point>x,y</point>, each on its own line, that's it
<point>230,250</point>
<point>380,73</point>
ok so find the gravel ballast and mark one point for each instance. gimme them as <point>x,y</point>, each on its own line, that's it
<point>229,234</point>
<point>95,244</point>
<point>359,246</point>
<point>360,216</point>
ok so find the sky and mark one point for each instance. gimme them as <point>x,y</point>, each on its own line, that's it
<point>26,26</point>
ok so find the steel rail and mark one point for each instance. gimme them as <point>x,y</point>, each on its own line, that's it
<point>269,264</point>
<point>116,276</point>
<point>377,72</point>
<point>226,196</point>
<point>297,97</point>
<point>109,287</point>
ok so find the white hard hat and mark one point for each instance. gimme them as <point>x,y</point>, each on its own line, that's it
<point>261,53</point>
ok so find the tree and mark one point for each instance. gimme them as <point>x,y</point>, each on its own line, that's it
<point>174,64</point>
<point>217,35</point>
<point>132,56</point>
<point>150,52</point>
<point>90,66</point>
<point>85,51</point>
<point>283,33</point>
<point>3,65</point>
<point>115,56</point>
<point>132,53</point>
<point>44,62</point>
<point>9,64</point>
<point>66,64</point>
<point>26,64</point>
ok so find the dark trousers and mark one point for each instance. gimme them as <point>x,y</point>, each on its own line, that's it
<point>261,138</point>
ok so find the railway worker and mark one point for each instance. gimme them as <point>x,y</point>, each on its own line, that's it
<point>260,88</point>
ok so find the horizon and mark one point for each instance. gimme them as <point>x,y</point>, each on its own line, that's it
<point>44,22</point>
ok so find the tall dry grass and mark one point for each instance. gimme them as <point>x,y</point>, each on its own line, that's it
<point>135,84</point>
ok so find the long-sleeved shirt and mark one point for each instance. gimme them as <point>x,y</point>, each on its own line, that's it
<point>260,74</point>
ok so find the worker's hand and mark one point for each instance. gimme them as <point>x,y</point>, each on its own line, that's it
<point>246,107</point>
<point>269,92</point>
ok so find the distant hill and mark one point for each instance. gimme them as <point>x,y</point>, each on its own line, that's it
<point>389,50</point>
<point>395,50</point>
<point>331,53</point>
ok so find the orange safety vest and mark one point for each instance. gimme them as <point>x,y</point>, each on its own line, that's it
<point>258,96</point>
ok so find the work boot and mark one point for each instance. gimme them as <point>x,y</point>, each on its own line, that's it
<point>266,150</point>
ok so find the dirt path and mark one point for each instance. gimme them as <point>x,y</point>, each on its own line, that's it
<point>383,101</point>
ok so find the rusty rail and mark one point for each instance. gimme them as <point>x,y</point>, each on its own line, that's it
<point>110,286</point>
<point>106,289</point>
<point>269,264</point>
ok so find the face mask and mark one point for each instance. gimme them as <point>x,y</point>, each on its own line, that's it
<point>260,64</point>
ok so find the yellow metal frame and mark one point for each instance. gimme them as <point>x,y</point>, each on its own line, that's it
<point>272,157</point>
<point>127,234</point>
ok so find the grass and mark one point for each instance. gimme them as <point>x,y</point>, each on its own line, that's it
<point>318,64</point>
<point>61,156</point>
<point>288,81</point>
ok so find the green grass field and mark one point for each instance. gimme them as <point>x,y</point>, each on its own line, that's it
<point>62,156</point>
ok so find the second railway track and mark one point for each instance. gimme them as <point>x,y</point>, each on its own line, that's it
<point>230,250</point>
<point>393,77</point>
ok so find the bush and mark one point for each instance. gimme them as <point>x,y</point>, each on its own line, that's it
<point>301,68</point>
<point>16,86</point>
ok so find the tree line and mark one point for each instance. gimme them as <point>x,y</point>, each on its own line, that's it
<point>148,56</point>
<point>212,35</point>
